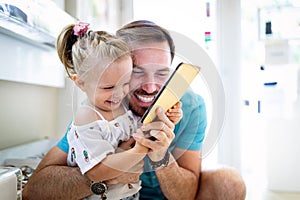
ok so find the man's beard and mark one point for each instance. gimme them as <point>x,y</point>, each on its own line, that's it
<point>137,110</point>
<point>134,106</point>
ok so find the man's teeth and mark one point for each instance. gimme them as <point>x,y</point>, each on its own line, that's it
<point>145,99</point>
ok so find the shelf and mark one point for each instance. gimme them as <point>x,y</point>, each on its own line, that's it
<point>282,22</point>
<point>28,31</point>
<point>21,30</point>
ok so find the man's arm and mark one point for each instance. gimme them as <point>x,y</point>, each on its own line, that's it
<point>54,180</point>
<point>179,180</point>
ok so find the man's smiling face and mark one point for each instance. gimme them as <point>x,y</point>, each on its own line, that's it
<point>151,68</point>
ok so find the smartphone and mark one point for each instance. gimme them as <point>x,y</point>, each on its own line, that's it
<point>172,91</point>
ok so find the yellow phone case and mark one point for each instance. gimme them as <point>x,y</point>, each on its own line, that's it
<point>173,90</point>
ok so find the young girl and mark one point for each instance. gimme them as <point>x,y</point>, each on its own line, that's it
<point>101,65</point>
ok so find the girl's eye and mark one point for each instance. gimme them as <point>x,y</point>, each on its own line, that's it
<point>108,88</point>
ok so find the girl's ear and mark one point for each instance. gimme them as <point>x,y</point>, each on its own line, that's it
<point>78,81</point>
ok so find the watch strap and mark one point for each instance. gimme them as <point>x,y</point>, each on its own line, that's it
<point>161,163</point>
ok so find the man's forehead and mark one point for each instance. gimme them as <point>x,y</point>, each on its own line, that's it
<point>152,67</point>
<point>149,45</point>
<point>151,56</point>
<point>157,49</point>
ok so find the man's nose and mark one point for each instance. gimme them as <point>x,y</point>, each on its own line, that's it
<point>149,84</point>
<point>149,87</point>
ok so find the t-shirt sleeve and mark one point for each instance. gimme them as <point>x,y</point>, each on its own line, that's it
<point>87,145</point>
<point>63,143</point>
<point>190,131</point>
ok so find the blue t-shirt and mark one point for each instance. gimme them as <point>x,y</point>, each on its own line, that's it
<point>189,135</point>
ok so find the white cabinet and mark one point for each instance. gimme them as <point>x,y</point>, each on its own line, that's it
<point>28,30</point>
<point>23,62</point>
<point>280,109</point>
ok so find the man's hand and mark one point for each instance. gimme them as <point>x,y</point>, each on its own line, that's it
<point>162,131</point>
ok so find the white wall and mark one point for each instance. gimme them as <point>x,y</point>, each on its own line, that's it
<point>28,104</point>
<point>229,62</point>
<point>26,113</point>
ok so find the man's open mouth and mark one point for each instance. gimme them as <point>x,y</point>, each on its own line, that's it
<point>145,99</point>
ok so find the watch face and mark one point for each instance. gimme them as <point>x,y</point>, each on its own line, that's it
<point>98,188</point>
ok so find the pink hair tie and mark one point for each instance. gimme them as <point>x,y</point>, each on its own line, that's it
<point>81,28</point>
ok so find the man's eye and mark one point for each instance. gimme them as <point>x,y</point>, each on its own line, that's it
<point>163,74</point>
<point>137,72</point>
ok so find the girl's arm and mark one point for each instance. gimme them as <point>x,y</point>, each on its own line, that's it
<point>113,165</point>
<point>116,164</point>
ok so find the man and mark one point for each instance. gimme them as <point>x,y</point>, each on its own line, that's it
<point>174,175</point>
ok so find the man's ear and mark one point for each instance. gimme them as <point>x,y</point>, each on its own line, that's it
<point>78,81</point>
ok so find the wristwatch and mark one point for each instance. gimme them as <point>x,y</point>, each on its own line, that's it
<point>99,188</point>
<point>161,163</point>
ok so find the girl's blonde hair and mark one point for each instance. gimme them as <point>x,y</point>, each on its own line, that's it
<point>79,53</point>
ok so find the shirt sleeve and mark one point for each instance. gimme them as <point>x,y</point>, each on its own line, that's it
<point>190,131</point>
<point>88,146</point>
<point>63,143</point>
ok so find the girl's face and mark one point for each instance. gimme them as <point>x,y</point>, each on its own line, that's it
<point>107,89</point>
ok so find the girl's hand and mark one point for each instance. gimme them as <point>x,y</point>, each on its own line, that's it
<point>126,145</point>
<point>175,113</point>
<point>138,147</point>
<point>132,176</point>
